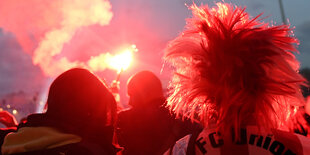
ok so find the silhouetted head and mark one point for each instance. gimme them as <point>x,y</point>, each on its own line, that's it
<point>79,99</point>
<point>144,87</point>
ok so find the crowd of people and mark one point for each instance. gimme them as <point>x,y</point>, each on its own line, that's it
<point>235,89</point>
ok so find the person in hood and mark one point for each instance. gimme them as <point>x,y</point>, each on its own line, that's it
<point>79,119</point>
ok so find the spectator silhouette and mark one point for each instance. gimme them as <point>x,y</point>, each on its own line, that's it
<point>79,119</point>
<point>148,127</point>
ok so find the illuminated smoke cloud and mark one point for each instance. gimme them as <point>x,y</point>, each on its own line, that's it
<point>98,63</point>
<point>43,27</point>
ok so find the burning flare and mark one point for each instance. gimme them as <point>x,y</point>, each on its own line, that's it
<point>118,62</point>
<point>121,61</point>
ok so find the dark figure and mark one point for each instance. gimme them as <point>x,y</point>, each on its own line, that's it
<point>147,128</point>
<point>79,119</point>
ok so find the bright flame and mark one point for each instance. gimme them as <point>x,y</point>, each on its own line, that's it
<point>117,62</point>
<point>121,61</point>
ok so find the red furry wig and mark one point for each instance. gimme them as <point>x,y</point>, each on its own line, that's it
<point>234,70</point>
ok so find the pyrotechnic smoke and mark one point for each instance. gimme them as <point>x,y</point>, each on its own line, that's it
<point>43,27</point>
<point>99,63</point>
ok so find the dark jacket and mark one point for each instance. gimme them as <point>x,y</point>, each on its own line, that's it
<point>149,130</point>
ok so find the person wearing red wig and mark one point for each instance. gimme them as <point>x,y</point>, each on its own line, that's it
<point>239,77</point>
<point>79,119</point>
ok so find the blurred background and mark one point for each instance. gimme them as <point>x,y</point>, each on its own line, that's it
<point>41,39</point>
